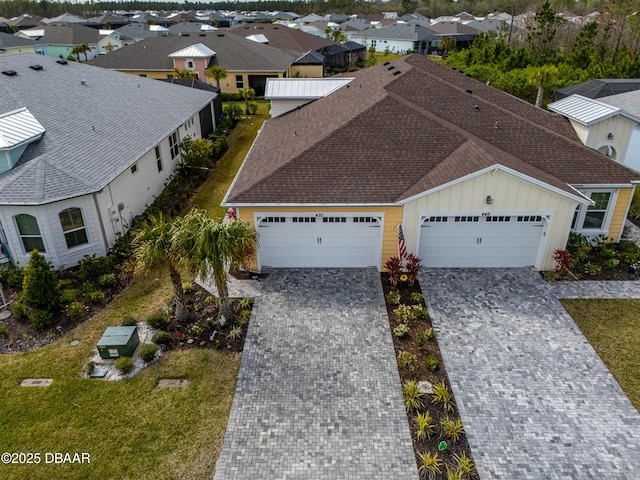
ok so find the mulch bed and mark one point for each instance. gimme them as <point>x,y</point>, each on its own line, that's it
<point>409,343</point>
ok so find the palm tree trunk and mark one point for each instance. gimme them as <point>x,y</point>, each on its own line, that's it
<point>181,311</point>
<point>225,305</point>
<point>539,96</point>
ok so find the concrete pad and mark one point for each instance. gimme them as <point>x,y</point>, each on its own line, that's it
<point>36,382</point>
<point>173,382</point>
<point>5,314</point>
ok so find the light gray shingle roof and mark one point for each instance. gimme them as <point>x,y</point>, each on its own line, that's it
<point>94,131</point>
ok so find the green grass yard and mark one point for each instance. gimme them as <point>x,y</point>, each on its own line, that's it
<point>130,428</point>
<point>613,329</point>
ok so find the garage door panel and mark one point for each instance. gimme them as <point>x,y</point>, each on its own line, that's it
<point>319,241</point>
<point>481,241</point>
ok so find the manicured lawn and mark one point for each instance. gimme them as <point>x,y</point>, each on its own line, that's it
<point>382,57</point>
<point>613,328</point>
<point>213,190</point>
<point>131,428</point>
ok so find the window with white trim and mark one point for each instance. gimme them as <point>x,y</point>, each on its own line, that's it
<point>239,81</point>
<point>174,145</point>
<point>73,227</point>
<point>158,158</point>
<point>29,232</point>
<point>593,217</point>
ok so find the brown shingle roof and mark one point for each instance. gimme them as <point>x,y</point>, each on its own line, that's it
<point>386,137</point>
<point>281,36</point>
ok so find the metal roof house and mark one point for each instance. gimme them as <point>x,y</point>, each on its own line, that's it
<point>83,151</point>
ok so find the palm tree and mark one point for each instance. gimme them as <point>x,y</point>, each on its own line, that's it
<point>338,36</point>
<point>215,248</point>
<point>541,76</point>
<point>154,248</point>
<point>448,45</point>
<point>246,94</point>
<point>217,73</point>
<point>184,73</point>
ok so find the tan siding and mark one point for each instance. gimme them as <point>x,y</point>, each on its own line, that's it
<point>392,218</point>
<point>620,126</point>
<point>620,214</point>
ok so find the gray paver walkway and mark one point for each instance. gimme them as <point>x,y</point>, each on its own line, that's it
<point>536,400</point>
<point>318,393</point>
<point>596,289</point>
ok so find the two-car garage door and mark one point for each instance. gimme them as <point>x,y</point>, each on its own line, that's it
<point>481,241</point>
<point>319,240</point>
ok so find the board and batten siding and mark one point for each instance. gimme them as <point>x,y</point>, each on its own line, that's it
<point>616,226</point>
<point>510,194</point>
<point>392,218</point>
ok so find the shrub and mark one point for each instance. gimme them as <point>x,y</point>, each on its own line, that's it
<point>195,329</point>
<point>416,298</point>
<point>629,258</point>
<point>74,310</point>
<point>19,309</point>
<point>412,395</point>
<point>40,288</point>
<point>11,276</point>
<point>465,464</point>
<point>612,263</point>
<point>108,280</point>
<point>92,267</point>
<point>162,338</point>
<point>592,269</point>
<point>95,296</point>
<point>430,464</point>
<point>420,311</point>
<point>235,334</point>
<point>404,313</point>
<point>232,111</point>
<point>124,365</point>
<point>393,297</point>
<point>394,267</point>
<point>407,362</point>
<point>244,303</point>
<point>432,363</point>
<point>413,267</point>
<point>442,395</point>
<point>607,252</point>
<point>40,319</point>
<point>401,330</point>
<point>129,321</point>
<point>157,321</point>
<point>3,332</point>
<point>253,107</point>
<point>148,352</point>
<point>69,295</point>
<point>423,336</point>
<point>424,425</point>
<point>563,261</point>
<point>452,428</point>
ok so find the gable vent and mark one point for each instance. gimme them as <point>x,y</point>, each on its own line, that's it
<point>10,73</point>
<point>35,67</point>
<point>62,62</point>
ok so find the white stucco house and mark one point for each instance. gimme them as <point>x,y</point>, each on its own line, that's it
<point>83,150</point>
<point>610,124</point>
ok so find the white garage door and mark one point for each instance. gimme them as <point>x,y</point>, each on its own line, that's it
<point>322,240</point>
<point>481,241</point>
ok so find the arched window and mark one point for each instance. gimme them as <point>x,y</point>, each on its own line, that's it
<point>29,232</point>
<point>73,227</point>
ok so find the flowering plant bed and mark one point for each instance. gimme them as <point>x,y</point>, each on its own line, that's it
<point>441,448</point>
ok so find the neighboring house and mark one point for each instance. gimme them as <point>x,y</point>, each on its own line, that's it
<point>110,21</point>
<point>287,94</point>
<point>68,18</point>
<point>462,34</point>
<point>335,54</point>
<point>248,63</point>
<point>24,21</point>
<point>61,38</point>
<point>397,38</point>
<point>602,87</point>
<point>15,44</point>
<point>610,125</point>
<point>111,40</point>
<point>140,31</point>
<point>476,177</point>
<point>191,28</point>
<point>83,151</point>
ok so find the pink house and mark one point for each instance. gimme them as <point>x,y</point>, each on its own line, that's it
<point>195,58</point>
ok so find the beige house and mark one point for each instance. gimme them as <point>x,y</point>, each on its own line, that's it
<point>474,176</point>
<point>610,125</point>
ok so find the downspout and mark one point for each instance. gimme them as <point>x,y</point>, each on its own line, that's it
<point>104,234</point>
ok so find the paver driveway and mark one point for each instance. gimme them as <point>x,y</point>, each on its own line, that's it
<point>318,393</point>
<point>536,400</point>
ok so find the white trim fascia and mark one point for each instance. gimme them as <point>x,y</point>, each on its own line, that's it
<point>605,186</point>
<point>580,198</point>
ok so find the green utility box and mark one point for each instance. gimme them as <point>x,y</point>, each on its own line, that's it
<point>118,342</point>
